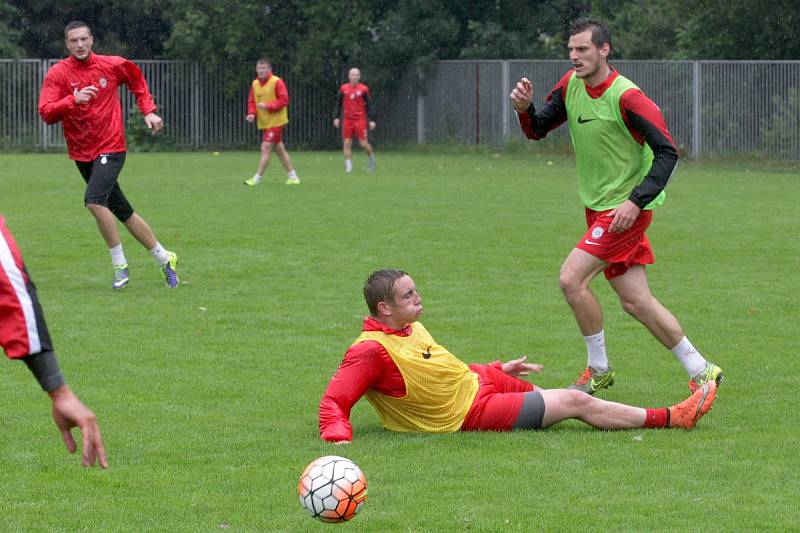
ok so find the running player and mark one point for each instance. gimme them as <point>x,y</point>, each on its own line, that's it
<point>625,158</point>
<point>82,93</point>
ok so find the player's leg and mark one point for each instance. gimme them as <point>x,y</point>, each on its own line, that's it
<point>286,161</point>
<point>347,150</point>
<point>362,140</point>
<point>118,204</point>
<point>577,271</point>
<point>101,177</point>
<point>638,301</point>
<point>266,151</point>
<point>263,161</point>
<point>562,404</point>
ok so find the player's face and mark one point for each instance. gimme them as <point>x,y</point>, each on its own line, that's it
<point>263,70</point>
<point>79,43</point>
<point>587,59</point>
<point>354,76</point>
<point>407,305</point>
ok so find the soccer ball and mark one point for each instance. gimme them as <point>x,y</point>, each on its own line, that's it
<point>332,489</point>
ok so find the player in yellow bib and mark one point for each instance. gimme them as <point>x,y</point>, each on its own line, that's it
<point>416,385</point>
<point>267,105</point>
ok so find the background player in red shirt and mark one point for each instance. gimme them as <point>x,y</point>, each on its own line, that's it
<point>24,335</point>
<point>82,93</point>
<point>356,102</point>
<point>502,402</point>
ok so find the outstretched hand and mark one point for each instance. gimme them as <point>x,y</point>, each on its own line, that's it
<point>69,412</point>
<point>519,367</point>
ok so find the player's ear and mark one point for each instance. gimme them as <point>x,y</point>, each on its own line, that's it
<point>384,309</point>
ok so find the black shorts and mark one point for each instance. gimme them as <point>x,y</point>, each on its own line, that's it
<point>102,188</point>
<point>532,412</point>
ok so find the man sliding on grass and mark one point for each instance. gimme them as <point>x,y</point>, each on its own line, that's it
<point>416,385</point>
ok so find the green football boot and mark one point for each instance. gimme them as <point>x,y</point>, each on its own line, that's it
<point>710,373</point>
<point>592,380</point>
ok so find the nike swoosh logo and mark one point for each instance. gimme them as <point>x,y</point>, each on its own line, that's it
<point>582,120</point>
<point>587,241</point>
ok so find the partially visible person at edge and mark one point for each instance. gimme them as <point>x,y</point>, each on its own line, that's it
<point>268,105</point>
<point>416,385</point>
<point>82,93</point>
<point>355,100</point>
<point>24,336</point>
<point>625,158</point>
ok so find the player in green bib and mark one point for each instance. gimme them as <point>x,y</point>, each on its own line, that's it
<point>624,158</point>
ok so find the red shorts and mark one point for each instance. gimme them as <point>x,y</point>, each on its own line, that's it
<point>619,250</point>
<point>497,405</point>
<point>354,127</point>
<point>273,135</point>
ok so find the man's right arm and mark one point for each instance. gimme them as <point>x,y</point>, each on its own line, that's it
<point>53,105</point>
<point>338,110</point>
<point>361,367</point>
<point>537,124</point>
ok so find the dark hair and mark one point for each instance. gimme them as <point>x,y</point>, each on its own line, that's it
<point>263,60</point>
<point>74,25</point>
<point>379,287</point>
<point>600,32</point>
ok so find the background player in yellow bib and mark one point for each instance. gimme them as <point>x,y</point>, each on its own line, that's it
<point>268,105</point>
<point>416,385</point>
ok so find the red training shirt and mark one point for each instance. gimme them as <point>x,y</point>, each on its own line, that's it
<point>96,127</point>
<point>355,100</point>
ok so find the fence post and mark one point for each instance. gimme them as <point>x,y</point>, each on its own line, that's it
<point>420,118</point>
<point>195,105</point>
<point>697,95</point>
<point>43,127</point>
<point>504,90</point>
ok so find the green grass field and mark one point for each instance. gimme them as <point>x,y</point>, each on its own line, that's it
<point>207,395</point>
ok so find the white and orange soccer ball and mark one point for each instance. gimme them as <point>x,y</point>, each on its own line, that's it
<point>332,489</point>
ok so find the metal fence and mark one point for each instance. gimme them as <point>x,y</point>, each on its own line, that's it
<point>202,108</point>
<point>712,108</point>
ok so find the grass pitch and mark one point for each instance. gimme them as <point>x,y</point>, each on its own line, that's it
<point>207,395</point>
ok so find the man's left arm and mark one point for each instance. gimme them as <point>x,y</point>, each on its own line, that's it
<point>370,108</point>
<point>281,97</point>
<point>646,124</point>
<point>133,78</point>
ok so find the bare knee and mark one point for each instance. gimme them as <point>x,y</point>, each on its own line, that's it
<point>570,283</point>
<point>266,148</point>
<point>636,305</point>
<point>578,401</point>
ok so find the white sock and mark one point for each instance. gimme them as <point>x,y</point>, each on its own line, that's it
<point>348,165</point>
<point>118,256</point>
<point>690,358</point>
<point>292,174</point>
<point>596,348</point>
<point>257,177</point>
<point>159,254</point>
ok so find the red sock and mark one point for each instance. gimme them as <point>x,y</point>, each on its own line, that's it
<point>656,418</point>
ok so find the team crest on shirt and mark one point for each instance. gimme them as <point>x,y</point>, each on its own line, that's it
<point>103,83</point>
<point>597,233</point>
